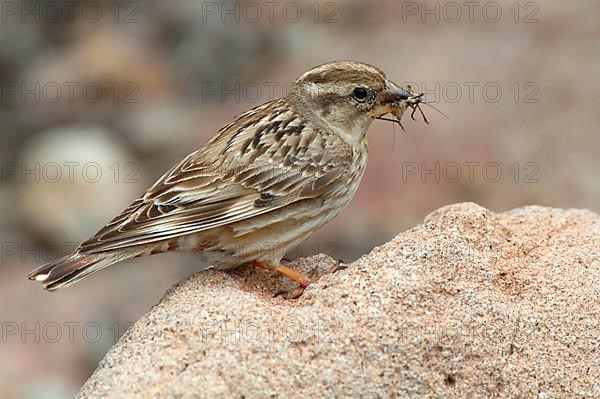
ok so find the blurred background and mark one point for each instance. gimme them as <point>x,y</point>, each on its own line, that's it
<point>98,99</point>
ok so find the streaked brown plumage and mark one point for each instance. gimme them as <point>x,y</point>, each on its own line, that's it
<point>259,187</point>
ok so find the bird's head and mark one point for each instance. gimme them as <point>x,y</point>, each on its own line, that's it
<point>346,96</point>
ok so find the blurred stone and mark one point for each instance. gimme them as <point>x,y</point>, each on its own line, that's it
<point>18,40</point>
<point>224,56</point>
<point>164,125</point>
<point>90,59</point>
<point>468,304</point>
<point>72,180</point>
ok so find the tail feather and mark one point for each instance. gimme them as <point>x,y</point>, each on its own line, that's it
<point>72,268</point>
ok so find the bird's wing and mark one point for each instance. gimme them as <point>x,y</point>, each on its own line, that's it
<point>264,160</point>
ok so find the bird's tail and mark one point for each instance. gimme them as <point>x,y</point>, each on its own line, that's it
<point>72,268</point>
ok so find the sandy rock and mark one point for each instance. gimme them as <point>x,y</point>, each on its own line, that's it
<point>76,177</point>
<point>469,304</point>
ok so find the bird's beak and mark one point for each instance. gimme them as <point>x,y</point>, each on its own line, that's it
<point>395,99</point>
<point>395,93</point>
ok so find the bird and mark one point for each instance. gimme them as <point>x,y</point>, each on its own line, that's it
<point>258,188</point>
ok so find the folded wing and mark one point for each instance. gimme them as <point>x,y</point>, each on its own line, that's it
<point>264,160</point>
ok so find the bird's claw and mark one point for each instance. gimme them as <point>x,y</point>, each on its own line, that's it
<point>294,293</point>
<point>339,266</point>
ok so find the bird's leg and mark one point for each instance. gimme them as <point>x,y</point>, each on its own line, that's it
<point>286,271</point>
<point>289,273</point>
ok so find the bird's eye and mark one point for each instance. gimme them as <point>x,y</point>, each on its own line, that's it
<point>360,93</point>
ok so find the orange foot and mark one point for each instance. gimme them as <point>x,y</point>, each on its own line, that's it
<point>289,273</point>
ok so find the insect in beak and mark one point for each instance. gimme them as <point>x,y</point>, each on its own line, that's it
<point>403,99</point>
<point>414,102</point>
